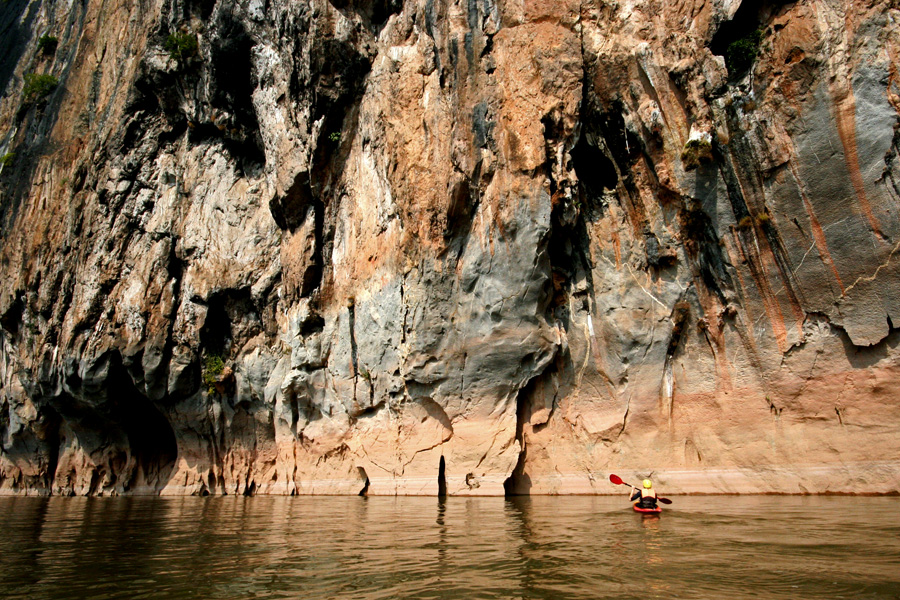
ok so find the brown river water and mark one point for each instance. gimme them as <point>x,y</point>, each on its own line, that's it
<point>701,547</point>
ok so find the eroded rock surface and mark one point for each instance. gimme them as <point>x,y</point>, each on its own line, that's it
<point>427,247</point>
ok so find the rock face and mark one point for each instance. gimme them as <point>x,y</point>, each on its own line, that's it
<point>474,247</point>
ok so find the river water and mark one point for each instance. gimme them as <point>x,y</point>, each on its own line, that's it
<point>702,547</point>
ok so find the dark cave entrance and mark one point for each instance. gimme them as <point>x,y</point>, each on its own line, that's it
<point>51,423</point>
<point>519,483</point>
<point>151,438</point>
<point>594,169</point>
<point>231,314</point>
<point>365,477</point>
<point>738,40</point>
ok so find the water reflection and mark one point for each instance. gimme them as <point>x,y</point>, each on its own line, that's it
<point>373,548</point>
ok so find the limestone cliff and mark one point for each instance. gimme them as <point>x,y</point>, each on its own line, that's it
<point>463,247</point>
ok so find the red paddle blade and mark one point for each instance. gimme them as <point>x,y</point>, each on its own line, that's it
<point>616,479</point>
<point>665,500</point>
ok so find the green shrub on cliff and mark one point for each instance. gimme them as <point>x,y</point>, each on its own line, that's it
<point>38,86</point>
<point>742,52</point>
<point>695,153</point>
<point>213,365</point>
<point>7,159</point>
<point>181,46</point>
<point>47,44</point>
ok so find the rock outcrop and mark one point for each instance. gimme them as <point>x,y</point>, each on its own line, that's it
<point>422,247</point>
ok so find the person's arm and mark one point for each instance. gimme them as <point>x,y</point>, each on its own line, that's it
<point>635,494</point>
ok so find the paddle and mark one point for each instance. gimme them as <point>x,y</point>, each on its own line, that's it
<point>618,481</point>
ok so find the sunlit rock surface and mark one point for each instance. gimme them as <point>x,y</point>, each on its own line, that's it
<point>425,247</point>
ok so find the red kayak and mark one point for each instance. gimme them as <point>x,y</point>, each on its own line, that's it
<point>647,511</point>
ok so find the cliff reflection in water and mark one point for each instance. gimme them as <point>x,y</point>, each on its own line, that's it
<point>368,548</point>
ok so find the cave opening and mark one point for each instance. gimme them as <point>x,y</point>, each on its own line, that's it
<point>201,8</point>
<point>290,210</point>
<point>738,39</point>
<point>382,10</point>
<point>215,335</point>
<point>594,169</point>
<point>340,70</point>
<point>231,316</point>
<point>365,477</point>
<point>231,62</point>
<point>12,317</point>
<point>150,436</point>
<point>745,21</point>
<point>519,483</point>
<point>51,423</point>
<point>377,12</point>
<point>568,242</point>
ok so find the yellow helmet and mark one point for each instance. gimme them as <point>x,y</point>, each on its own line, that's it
<point>648,484</point>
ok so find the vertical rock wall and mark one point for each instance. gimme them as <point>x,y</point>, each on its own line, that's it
<point>428,247</point>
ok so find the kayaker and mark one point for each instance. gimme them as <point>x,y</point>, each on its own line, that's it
<point>646,497</point>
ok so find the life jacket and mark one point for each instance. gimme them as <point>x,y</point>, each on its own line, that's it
<point>648,498</point>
